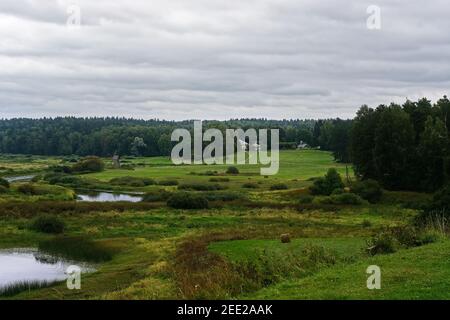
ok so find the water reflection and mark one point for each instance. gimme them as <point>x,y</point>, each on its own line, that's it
<point>108,197</point>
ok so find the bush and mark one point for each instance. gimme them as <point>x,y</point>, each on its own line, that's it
<point>156,196</point>
<point>27,189</point>
<point>132,181</point>
<point>441,199</point>
<point>232,170</point>
<point>201,187</point>
<point>3,189</point>
<point>325,186</point>
<point>186,200</point>
<point>171,182</point>
<point>219,179</point>
<point>4,183</point>
<point>369,190</point>
<point>382,243</point>
<point>337,191</point>
<point>48,224</point>
<point>250,185</point>
<point>89,164</point>
<point>222,196</point>
<point>305,199</point>
<point>344,198</point>
<point>279,186</point>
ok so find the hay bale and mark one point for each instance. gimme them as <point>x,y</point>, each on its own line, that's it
<point>285,238</point>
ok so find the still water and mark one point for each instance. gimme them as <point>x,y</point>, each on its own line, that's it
<point>108,197</point>
<point>27,265</point>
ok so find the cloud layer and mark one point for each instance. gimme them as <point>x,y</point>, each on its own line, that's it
<point>217,59</point>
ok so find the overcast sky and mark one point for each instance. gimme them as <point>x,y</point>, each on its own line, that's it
<point>218,59</point>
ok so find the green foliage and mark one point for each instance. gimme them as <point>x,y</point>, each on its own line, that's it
<point>4,183</point>
<point>132,181</point>
<point>156,196</point>
<point>305,199</point>
<point>48,224</point>
<point>28,189</point>
<point>77,248</point>
<point>382,243</point>
<point>3,189</point>
<point>343,199</point>
<point>187,200</point>
<point>168,182</point>
<point>279,186</point>
<point>89,164</point>
<point>327,184</point>
<point>250,185</point>
<point>232,170</point>
<point>223,195</point>
<point>201,187</point>
<point>219,179</point>
<point>369,190</point>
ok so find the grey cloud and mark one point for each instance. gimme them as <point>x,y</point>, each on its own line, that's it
<point>219,59</point>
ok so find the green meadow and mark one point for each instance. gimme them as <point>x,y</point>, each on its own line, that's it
<point>229,250</point>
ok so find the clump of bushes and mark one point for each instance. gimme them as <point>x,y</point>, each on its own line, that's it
<point>279,186</point>
<point>28,189</point>
<point>232,170</point>
<point>156,196</point>
<point>219,179</point>
<point>327,184</point>
<point>223,196</point>
<point>390,240</point>
<point>168,182</point>
<point>187,200</point>
<point>201,187</point>
<point>132,181</point>
<point>343,199</point>
<point>305,199</point>
<point>89,164</point>
<point>48,224</point>
<point>250,185</point>
<point>369,190</point>
<point>4,183</point>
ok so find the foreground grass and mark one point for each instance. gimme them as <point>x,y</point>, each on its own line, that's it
<point>418,273</point>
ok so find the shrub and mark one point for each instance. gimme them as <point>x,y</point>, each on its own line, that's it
<point>337,191</point>
<point>305,199</point>
<point>27,189</point>
<point>89,164</point>
<point>201,187</point>
<point>441,199</point>
<point>4,183</point>
<point>219,179</point>
<point>171,182</point>
<point>186,200</point>
<point>382,243</point>
<point>156,196</point>
<point>222,196</point>
<point>346,198</point>
<point>3,189</point>
<point>279,186</point>
<point>132,181</point>
<point>325,186</point>
<point>232,170</point>
<point>48,224</point>
<point>369,190</point>
<point>366,223</point>
<point>285,238</point>
<point>250,185</point>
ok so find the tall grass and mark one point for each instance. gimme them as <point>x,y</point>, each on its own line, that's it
<point>78,248</point>
<point>21,286</point>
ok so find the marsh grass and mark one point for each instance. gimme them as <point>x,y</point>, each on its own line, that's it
<point>78,248</point>
<point>18,287</point>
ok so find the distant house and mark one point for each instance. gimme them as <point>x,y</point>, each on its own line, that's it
<point>302,145</point>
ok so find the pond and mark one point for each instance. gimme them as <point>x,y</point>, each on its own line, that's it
<point>31,265</point>
<point>19,178</point>
<point>108,197</point>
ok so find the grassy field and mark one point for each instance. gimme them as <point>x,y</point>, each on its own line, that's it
<point>233,248</point>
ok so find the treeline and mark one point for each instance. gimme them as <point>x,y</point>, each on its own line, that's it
<point>107,136</point>
<point>403,146</point>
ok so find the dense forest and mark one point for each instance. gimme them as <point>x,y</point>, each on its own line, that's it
<point>106,136</point>
<point>401,146</point>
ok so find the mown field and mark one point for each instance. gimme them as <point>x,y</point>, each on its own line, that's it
<point>231,249</point>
